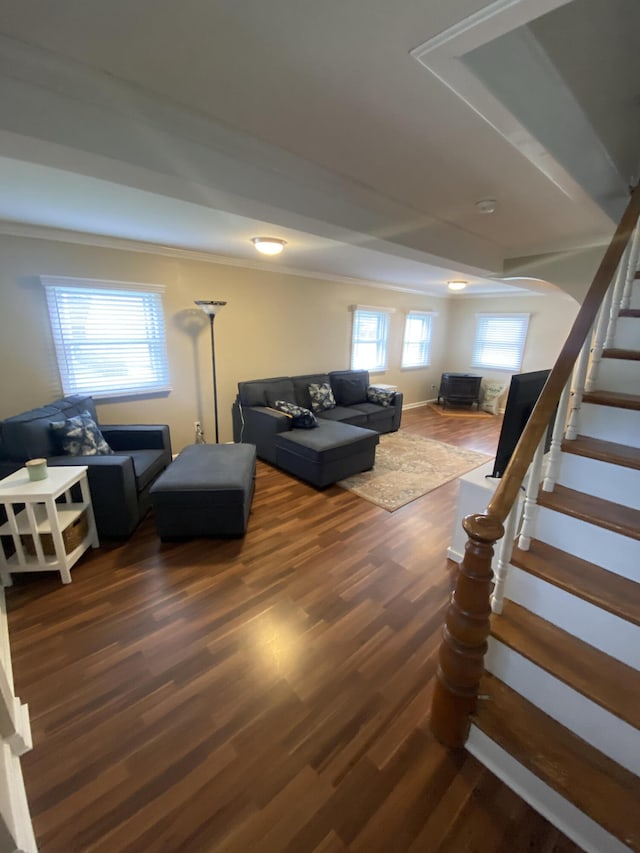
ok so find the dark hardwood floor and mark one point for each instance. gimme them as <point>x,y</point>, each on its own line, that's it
<point>268,694</point>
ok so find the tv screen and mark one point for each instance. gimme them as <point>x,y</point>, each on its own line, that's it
<point>524,391</point>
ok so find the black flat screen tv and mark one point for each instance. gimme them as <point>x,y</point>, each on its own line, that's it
<point>524,391</point>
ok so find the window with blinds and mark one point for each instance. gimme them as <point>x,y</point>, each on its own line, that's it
<point>499,341</point>
<point>109,336</point>
<point>369,338</point>
<point>416,348</point>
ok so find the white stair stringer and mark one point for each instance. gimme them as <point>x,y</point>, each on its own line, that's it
<point>611,634</point>
<point>612,551</point>
<point>576,825</point>
<point>594,724</point>
<point>621,426</point>
<point>614,483</point>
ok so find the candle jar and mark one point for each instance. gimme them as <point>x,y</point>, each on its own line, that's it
<point>37,469</point>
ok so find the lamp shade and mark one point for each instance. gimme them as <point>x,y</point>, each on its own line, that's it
<point>210,306</point>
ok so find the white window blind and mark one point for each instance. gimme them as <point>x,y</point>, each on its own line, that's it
<point>416,349</point>
<point>109,336</point>
<point>499,341</point>
<point>369,338</point>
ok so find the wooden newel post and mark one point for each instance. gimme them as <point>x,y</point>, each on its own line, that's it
<point>465,634</point>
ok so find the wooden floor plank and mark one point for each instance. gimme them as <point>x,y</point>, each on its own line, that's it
<point>269,694</point>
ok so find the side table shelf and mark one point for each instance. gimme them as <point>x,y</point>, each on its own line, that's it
<point>37,532</point>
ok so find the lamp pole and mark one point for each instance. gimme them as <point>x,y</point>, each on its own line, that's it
<point>211,308</point>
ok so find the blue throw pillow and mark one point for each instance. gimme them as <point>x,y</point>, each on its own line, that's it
<point>321,397</point>
<point>80,436</point>
<point>301,418</point>
<point>380,396</point>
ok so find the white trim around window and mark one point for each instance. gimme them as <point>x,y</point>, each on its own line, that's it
<point>499,341</point>
<point>369,337</point>
<point>109,336</point>
<point>416,344</point>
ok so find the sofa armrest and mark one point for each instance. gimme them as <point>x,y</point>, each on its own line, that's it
<point>114,495</point>
<point>259,425</point>
<point>397,407</point>
<point>122,437</point>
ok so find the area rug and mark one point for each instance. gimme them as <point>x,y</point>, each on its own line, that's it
<point>478,414</point>
<point>407,467</point>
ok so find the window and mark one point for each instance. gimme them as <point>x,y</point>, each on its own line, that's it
<point>369,338</point>
<point>499,341</point>
<point>109,336</point>
<point>416,349</point>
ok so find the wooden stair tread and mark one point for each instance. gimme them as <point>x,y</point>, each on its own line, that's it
<point>617,352</point>
<point>629,312</point>
<point>595,784</point>
<point>616,594</point>
<point>605,451</point>
<point>611,516</point>
<point>608,682</point>
<point>613,398</point>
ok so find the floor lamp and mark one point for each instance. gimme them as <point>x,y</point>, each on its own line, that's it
<point>211,308</point>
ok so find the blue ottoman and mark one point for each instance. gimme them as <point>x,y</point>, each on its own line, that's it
<point>206,491</point>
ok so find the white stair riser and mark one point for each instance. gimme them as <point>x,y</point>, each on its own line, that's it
<point>601,479</point>
<point>588,720</point>
<point>618,374</point>
<point>614,636</point>
<point>627,334</point>
<point>610,424</point>
<point>612,551</point>
<point>587,834</point>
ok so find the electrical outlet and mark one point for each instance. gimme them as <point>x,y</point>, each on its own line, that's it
<point>197,427</point>
<point>433,387</point>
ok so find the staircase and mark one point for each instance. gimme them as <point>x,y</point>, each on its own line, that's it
<point>558,710</point>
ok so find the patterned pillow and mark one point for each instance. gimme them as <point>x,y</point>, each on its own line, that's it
<point>301,418</point>
<point>80,436</point>
<point>321,397</point>
<point>381,396</point>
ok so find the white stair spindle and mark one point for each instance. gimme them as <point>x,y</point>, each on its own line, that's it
<point>553,459</point>
<point>531,498</point>
<point>616,302</point>
<point>579,374</point>
<point>504,557</point>
<point>632,268</point>
<point>599,338</point>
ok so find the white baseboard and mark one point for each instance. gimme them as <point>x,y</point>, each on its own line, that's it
<point>416,405</point>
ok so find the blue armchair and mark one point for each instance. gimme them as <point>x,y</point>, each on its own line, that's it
<point>119,482</point>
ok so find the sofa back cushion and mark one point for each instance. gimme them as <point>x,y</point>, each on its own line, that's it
<point>256,392</point>
<point>29,436</point>
<point>349,386</point>
<point>301,386</point>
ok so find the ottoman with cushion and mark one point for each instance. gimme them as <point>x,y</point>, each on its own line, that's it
<point>206,491</point>
<point>329,453</point>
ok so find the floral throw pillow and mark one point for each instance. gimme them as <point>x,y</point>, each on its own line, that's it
<point>321,397</point>
<point>80,436</point>
<point>301,418</point>
<point>381,396</point>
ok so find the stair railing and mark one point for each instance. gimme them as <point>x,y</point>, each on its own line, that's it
<point>464,643</point>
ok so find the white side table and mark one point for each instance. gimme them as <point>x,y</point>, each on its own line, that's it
<point>42,515</point>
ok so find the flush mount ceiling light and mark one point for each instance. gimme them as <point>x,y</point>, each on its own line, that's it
<point>456,285</point>
<point>269,245</point>
<point>486,205</point>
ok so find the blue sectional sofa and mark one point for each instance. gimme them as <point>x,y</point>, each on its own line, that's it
<point>341,445</point>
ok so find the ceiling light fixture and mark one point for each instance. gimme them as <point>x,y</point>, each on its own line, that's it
<point>456,285</point>
<point>269,245</point>
<point>486,205</point>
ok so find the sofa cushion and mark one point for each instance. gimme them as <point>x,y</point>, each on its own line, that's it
<point>80,435</point>
<point>301,418</point>
<point>321,397</point>
<point>280,390</point>
<point>28,435</point>
<point>301,386</point>
<point>380,396</point>
<point>254,392</point>
<point>344,414</point>
<point>350,388</point>
<point>147,465</point>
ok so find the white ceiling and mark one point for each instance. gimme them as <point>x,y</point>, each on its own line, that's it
<point>195,126</point>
